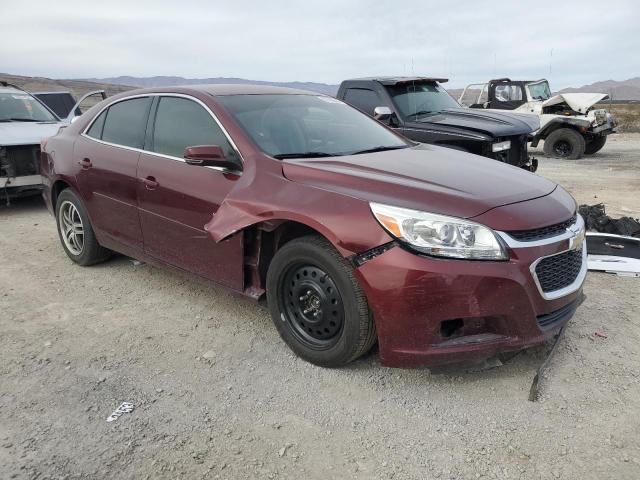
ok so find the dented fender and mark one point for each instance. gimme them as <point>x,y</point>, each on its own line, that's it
<point>325,211</point>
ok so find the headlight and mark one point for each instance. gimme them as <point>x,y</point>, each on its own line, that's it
<point>501,146</point>
<point>439,235</point>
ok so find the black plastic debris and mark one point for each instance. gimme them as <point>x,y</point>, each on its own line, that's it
<point>597,220</point>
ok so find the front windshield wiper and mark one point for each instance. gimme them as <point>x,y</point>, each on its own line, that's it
<point>379,149</point>
<point>281,156</point>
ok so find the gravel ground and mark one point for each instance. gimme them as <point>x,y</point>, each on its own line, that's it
<point>218,395</point>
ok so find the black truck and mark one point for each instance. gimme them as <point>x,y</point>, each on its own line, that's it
<point>420,109</point>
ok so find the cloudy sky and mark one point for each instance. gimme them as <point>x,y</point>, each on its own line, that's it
<point>570,42</point>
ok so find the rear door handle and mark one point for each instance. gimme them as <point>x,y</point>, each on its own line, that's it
<point>150,183</point>
<point>85,163</point>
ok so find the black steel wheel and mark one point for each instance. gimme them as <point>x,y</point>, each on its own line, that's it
<point>565,143</point>
<point>317,305</point>
<point>313,306</point>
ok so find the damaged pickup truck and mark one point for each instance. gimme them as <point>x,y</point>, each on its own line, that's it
<point>570,125</point>
<point>354,234</point>
<point>24,123</point>
<point>421,109</point>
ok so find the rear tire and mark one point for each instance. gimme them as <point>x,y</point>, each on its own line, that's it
<point>317,305</point>
<point>76,234</point>
<point>595,145</point>
<point>565,143</point>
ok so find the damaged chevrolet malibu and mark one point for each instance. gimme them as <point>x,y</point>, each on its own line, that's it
<point>354,234</point>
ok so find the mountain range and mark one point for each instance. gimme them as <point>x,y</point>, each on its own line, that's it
<point>618,90</point>
<point>624,90</point>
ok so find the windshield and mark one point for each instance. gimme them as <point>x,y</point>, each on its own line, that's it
<point>297,126</point>
<point>22,107</point>
<point>539,91</point>
<point>416,99</point>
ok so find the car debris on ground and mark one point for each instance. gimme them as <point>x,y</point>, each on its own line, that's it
<point>125,407</point>
<point>613,244</point>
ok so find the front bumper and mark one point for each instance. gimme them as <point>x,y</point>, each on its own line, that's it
<point>24,181</point>
<point>431,311</point>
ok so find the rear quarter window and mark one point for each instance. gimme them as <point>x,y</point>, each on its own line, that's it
<point>126,122</point>
<point>96,128</point>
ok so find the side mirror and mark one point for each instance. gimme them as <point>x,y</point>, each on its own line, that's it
<point>386,116</point>
<point>208,156</point>
<point>382,113</point>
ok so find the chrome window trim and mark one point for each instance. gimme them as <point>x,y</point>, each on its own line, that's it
<point>570,232</point>
<point>577,283</point>
<point>156,154</point>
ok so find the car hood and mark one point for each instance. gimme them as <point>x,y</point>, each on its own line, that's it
<point>27,133</point>
<point>580,102</point>
<point>497,124</point>
<point>426,177</point>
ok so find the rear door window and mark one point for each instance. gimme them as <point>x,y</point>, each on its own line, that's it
<point>182,123</point>
<point>363,99</point>
<point>126,122</point>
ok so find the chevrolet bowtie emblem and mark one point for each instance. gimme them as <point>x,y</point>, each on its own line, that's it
<point>577,238</point>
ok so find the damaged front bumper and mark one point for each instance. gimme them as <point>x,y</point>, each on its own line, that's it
<point>20,170</point>
<point>431,311</point>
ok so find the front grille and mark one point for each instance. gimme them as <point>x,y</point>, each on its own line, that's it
<point>542,233</point>
<point>19,161</point>
<point>561,315</point>
<point>559,271</point>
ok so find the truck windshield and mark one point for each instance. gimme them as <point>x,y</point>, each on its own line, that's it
<point>22,107</point>
<point>307,126</point>
<point>417,99</point>
<point>539,91</point>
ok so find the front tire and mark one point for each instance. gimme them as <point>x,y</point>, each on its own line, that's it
<point>565,143</point>
<point>316,304</point>
<point>595,144</point>
<point>76,234</point>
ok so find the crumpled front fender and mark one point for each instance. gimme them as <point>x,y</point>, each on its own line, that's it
<point>345,221</point>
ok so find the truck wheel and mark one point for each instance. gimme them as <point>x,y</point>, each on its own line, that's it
<point>76,235</point>
<point>316,304</point>
<point>595,145</point>
<point>564,143</point>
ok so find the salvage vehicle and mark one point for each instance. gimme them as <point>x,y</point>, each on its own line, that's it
<point>421,110</point>
<point>64,105</point>
<point>352,232</point>
<point>570,125</point>
<point>24,122</point>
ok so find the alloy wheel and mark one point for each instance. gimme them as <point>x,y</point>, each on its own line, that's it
<point>71,227</point>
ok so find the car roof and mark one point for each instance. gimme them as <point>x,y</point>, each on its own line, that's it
<point>399,80</point>
<point>222,90</point>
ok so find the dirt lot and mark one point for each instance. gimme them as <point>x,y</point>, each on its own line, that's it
<point>218,395</point>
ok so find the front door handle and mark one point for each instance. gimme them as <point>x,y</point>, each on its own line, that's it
<point>150,183</point>
<point>85,163</point>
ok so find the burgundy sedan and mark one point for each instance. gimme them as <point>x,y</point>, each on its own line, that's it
<point>354,234</point>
